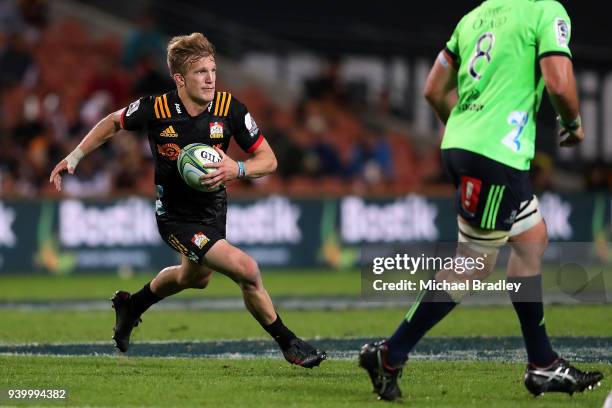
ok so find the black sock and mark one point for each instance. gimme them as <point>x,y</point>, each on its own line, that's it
<point>530,311</point>
<point>429,308</point>
<point>280,333</point>
<point>142,300</point>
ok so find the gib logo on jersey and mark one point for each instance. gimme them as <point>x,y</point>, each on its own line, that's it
<point>216,130</point>
<point>169,150</point>
<point>470,192</point>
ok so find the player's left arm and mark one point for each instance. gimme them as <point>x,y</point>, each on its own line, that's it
<point>553,34</point>
<point>441,85</point>
<point>261,163</point>
<point>251,140</point>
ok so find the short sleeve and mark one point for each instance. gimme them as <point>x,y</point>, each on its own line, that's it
<point>137,114</point>
<point>452,45</point>
<point>553,29</point>
<point>244,128</point>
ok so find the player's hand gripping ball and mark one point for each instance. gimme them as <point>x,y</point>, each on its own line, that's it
<point>192,163</point>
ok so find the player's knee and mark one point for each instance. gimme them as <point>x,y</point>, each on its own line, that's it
<point>250,278</point>
<point>482,274</point>
<point>184,279</point>
<point>201,282</point>
<point>193,279</point>
<point>530,252</point>
<point>534,246</point>
<point>541,247</point>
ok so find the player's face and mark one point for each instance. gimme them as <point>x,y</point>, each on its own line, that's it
<point>200,80</point>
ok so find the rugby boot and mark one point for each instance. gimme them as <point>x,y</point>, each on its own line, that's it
<point>125,321</point>
<point>303,354</point>
<point>560,377</point>
<point>384,379</point>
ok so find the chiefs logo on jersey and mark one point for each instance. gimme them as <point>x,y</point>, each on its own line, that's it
<point>169,150</point>
<point>216,130</point>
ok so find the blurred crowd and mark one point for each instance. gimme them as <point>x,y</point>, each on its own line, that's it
<point>57,80</point>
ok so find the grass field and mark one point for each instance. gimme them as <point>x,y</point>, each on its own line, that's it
<point>151,382</point>
<point>59,326</point>
<point>98,286</point>
<point>256,379</point>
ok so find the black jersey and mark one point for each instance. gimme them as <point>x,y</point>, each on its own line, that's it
<point>169,128</point>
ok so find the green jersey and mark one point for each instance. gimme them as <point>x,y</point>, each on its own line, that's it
<point>497,47</point>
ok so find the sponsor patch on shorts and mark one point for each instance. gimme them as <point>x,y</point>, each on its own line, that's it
<point>199,240</point>
<point>470,192</point>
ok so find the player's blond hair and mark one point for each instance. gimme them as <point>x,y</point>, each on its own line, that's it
<point>184,50</point>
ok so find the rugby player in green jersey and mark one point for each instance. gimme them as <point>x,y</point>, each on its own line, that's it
<point>486,87</point>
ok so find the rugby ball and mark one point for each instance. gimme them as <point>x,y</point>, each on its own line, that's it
<point>192,163</point>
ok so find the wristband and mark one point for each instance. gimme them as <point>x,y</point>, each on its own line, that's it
<point>74,157</point>
<point>241,170</point>
<point>573,125</point>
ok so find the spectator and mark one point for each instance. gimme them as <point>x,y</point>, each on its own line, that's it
<point>145,40</point>
<point>150,81</point>
<point>597,177</point>
<point>327,86</point>
<point>17,66</point>
<point>11,19</point>
<point>92,179</point>
<point>371,159</point>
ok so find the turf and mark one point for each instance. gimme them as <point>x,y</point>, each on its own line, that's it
<point>279,283</point>
<point>152,382</point>
<point>211,382</point>
<point>73,326</point>
<point>102,286</point>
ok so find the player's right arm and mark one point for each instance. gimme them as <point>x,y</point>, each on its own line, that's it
<point>553,32</point>
<point>100,133</point>
<point>131,118</point>
<point>440,87</point>
<point>560,81</point>
<point>441,84</point>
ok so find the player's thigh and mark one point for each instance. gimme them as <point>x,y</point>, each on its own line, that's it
<point>529,225</point>
<point>190,239</point>
<point>489,196</point>
<point>232,262</point>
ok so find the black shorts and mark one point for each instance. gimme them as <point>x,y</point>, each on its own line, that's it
<point>489,193</point>
<point>191,238</point>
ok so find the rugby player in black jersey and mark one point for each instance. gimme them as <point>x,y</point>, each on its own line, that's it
<point>190,221</point>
